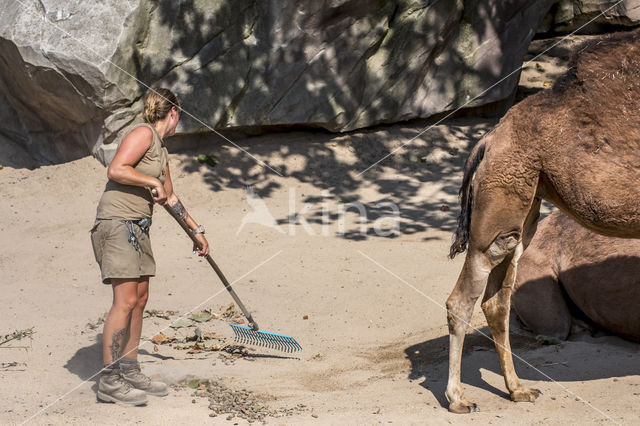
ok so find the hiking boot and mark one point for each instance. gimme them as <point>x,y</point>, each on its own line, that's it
<point>130,372</point>
<point>111,388</point>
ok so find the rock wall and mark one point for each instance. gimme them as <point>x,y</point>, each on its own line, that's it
<point>590,16</point>
<point>54,77</point>
<point>73,72</point>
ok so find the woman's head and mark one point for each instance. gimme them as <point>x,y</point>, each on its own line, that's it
<point>158,103</point>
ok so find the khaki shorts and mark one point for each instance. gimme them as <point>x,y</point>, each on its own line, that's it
<point>117,257</point>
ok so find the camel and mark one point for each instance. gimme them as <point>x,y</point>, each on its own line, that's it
<point>576,145</point>
<point>568,271</point>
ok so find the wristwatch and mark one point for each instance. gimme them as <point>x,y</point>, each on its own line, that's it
<point>198,230</point>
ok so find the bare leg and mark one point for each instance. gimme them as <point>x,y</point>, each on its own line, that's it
<point>115,327</point>
<point>135,325</point>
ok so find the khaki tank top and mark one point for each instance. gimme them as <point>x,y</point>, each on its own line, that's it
<point>130,202</point>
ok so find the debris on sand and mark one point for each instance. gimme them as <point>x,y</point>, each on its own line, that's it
<point>92,325</point>
<point>17,335</point>
<point>157,313</point>
<point>230,313</point>
<point>236,403</point>
<point>183,332</point>
<point>203,316</point>
<point>12,366</point>
<point>181,323</point>
<point>547,340</point>
<point>160,339</point>
<point>199,342</point>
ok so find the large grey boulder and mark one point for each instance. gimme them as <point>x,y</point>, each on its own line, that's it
<point>54,78</point>
<point>74,72</point>
<point>590,16</point>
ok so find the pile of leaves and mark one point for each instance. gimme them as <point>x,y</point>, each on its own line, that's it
<point>199,341</point>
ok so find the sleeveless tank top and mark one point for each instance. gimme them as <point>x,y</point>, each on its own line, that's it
<point>130,202</point>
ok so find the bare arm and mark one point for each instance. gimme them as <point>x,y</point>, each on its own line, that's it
<point>131,150</point>
<point>174,202</point>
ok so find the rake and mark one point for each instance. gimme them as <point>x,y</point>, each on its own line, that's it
<point>246,335</point>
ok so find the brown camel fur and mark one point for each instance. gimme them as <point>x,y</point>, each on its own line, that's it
<point>568,267</point>
<point>576,145</point>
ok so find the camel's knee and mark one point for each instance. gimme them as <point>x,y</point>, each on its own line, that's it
<point>459,311</point>
<point>502,246</point>
<point>496,310</point>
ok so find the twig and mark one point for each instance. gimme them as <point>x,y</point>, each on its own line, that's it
<point>17,335</point>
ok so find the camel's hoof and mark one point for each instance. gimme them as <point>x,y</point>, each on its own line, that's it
<point>463,407</point>
<point>525,395</point>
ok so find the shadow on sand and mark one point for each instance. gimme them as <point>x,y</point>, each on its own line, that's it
<point>86,363</point>
<point>429,361</point>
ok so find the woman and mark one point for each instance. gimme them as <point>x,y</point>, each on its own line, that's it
<point>121,244</point>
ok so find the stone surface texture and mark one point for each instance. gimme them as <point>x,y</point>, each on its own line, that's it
<point>590,16</point>
<point>73,73</point>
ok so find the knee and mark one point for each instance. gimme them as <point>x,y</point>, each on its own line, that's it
<point>455,315</point>
<point>126,304</point>
<point>142,301</point>
<point>492,307</point>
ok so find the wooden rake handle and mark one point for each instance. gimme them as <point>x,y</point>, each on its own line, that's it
<point>215,267</point>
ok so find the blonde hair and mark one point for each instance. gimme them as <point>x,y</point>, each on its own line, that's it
<point>157,104</point>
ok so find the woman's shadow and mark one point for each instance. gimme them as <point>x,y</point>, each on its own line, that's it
<point>86,363</point>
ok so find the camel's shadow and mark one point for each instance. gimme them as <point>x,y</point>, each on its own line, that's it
<point>606,357</point>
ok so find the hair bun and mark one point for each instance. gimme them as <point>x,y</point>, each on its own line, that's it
<point>157,104</point>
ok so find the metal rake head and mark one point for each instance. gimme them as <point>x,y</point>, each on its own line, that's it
<point>247,335</point>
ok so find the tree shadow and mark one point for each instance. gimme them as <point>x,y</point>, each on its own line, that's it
<point>338,66</point>
<point>335,66</point>
<point>338,169</point>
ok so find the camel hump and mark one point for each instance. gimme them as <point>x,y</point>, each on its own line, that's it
<point>605,63</point>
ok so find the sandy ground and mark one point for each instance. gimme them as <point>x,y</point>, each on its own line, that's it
<point>374,338</point>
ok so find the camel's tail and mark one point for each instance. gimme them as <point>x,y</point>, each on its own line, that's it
<point>466,200</point>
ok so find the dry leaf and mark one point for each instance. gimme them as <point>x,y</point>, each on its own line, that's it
<point>159,338</point>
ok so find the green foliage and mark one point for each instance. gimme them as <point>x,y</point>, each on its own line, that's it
<point>210,160</point>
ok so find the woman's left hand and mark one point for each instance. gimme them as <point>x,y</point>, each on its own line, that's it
<point>203,243</point>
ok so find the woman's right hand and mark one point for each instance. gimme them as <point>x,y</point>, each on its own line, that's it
<point>158,193</point>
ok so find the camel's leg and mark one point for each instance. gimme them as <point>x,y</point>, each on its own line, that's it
<point>495,238</point>
<point>496,305</point>
<point>468,289</point>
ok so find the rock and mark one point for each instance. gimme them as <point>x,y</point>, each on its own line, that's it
<point>339,64</point>
<point>570,15</point>
<point>54,74</point>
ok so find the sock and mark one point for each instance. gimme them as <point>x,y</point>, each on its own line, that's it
<point>128,361</point>
<point>107,369</point>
